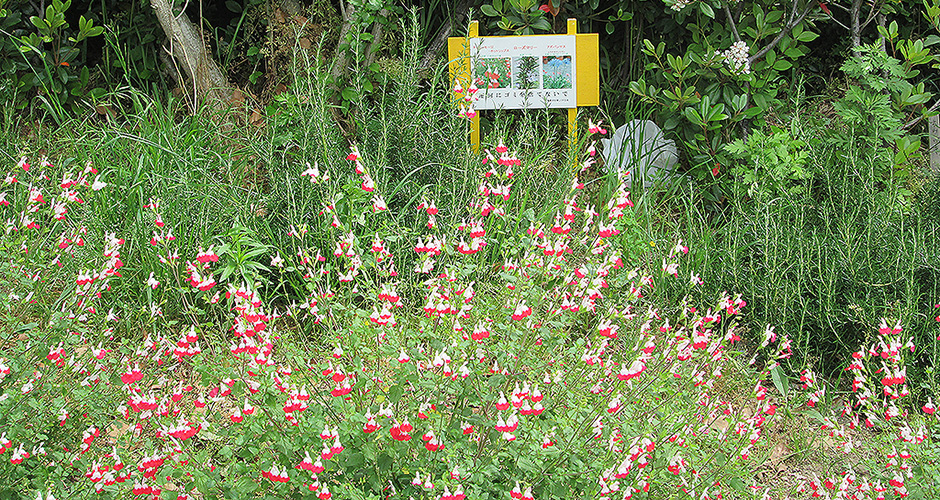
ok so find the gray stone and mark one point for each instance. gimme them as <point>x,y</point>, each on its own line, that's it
<point>639,147</point>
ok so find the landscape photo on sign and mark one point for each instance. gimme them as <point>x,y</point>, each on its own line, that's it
<point>556,72</point>
<point>526,72</point>
<point>492,72</point>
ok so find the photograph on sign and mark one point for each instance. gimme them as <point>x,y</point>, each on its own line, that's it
<point>492,72</point>
<point>524,72</point>
<point>557,72</point>
<point>527,72</point>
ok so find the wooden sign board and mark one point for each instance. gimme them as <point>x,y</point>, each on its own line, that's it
<point>527,72</point>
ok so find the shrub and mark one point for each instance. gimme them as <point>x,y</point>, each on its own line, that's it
<point>540,370</point>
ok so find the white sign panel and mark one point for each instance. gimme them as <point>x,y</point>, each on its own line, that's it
<point>524,72</point>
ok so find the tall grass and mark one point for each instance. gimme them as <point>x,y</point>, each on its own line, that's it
<point>411,140</point>
<point>241,188</point>
<point>825,265</point>
<point>186,163</point>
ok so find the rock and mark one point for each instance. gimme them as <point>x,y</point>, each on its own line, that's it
<point>639,147</point>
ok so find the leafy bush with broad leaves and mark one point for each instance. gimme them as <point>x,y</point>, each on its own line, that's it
<point>730,74</point>
<point>43,54</point>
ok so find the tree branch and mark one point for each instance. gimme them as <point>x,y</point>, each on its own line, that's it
<point>871,15</point>
<point>437,45</point>
<point>833,19</point>
<point>856,28</point>
<point>917,120</point>
<point>793,22</point>
<point>734,27</point>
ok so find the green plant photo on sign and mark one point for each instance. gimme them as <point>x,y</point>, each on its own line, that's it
<point>527,72</point>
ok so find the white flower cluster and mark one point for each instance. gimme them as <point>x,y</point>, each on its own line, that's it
<point>680,4</point>
<point>736,57</point>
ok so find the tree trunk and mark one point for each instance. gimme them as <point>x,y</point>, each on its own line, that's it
<point>208,83</point>
<point>339,56</point>
<point>434,50</point>
<point>378,33</point>
<point>855,13</point>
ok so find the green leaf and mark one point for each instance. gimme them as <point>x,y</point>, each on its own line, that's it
<point>759,17</point>
<point>716,113</point>
<point>816,416</point>
<point>693,116</point>
<point>25,327</point>
<point>916,99</point>
<point>385,462</point>
<point>354,460</point>
<point>706,9</point>
<point>395,393</point>
<point>807,36</point>
<point>782,65</point>
<point>542,24</point>
<point>762,101</point>
<point>233,6</point>
<point>489,11</point>
<point>256,252</point>
<point>637,88</point>
<point>753,111</point>
<point>780,380</point>
<point>38,23</point>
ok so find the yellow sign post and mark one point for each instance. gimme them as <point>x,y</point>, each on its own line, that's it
<point>519,72</point>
